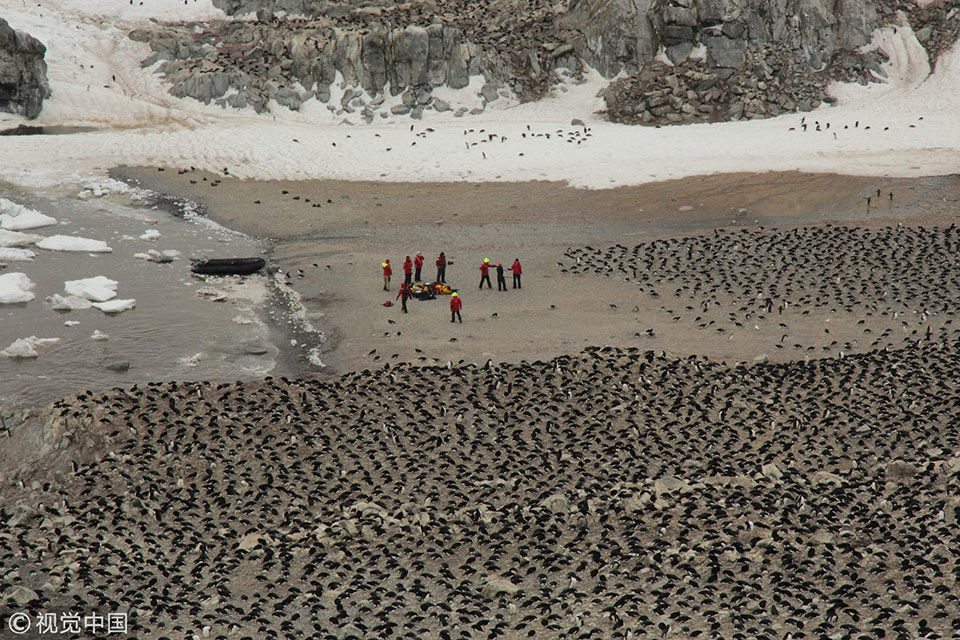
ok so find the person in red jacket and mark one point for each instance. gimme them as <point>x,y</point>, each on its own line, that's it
<point>517,270</point>
<point>442,268</point>
<point>485,273</point>
<point>455,306</point>
<point>404,295</point>
<point>387,272</point>
<point>407,270</point>
<point>417,265</point>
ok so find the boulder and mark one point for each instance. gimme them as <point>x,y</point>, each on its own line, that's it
<point>23,72</point>
<point>900,469</point>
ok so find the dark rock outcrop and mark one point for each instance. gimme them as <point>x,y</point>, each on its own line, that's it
<point>23,73</point>
<point>387,46</point>
<point>768,82</point>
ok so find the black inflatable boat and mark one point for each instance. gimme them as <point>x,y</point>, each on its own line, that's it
<point>228,266</point>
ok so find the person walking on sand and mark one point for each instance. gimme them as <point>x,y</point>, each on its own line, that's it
<point>387,272</point>
<point>407,270</point>
<point>485,273</point>
<point>501,281</point>
<point>417,265</point>
<point>455,305</point>
<point>404,295</point>
<point>517,270</point>
<point>442,268</point>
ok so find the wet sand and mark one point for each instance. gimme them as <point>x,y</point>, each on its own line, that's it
<point>556,312</point>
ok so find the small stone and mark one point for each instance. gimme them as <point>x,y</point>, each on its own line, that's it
<point>900,469</point>
<point>20,594</point>
<point>557,503</point>
<point>772,471</point>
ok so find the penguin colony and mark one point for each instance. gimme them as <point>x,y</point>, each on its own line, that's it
<point>615,493</point>
<point>901,282</point>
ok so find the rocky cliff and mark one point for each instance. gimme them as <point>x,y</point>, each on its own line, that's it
<point>23,73</point>
<point>766,56</point>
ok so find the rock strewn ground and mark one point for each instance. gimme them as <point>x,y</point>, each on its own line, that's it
<point>613,492</point>
<point>768,84</point>
<point>383,50</point>
<point>523,47</point>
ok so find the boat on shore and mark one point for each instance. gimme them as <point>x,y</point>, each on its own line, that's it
<point>228,266</point>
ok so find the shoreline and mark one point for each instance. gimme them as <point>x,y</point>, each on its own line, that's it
<point>364,222</point>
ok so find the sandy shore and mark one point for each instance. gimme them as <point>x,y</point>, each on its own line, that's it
<point>357,225</point>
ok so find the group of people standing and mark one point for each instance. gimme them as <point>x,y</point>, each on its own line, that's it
<point>412,272</point>
<point>516,268</point>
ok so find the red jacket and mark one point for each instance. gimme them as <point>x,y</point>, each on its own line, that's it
<point>407,266</point>
<point>485,269</point>
<point>388,270</point>
<point>403,291</point>
<point>516,268</point>
<point>442,261</point>
<point>418,262</point>
<point>455,304</point>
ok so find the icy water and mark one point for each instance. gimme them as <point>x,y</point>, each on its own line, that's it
<point>172,334</point>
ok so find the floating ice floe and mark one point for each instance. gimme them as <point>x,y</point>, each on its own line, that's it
<point>71,323</point>
<point>168,255</point>
<point>15,288</point>
<point>27,347</point>
<point>68,303</point>
<point>214,295</point>
<point>11,254</point>
<point>115,306</point>
<point>97,289</point>
<point>150,234</point>
<point>192,361</point>
<point>16,239</point>
<point>74,243</point>
<point>99,335</point>
<point>16,217</point>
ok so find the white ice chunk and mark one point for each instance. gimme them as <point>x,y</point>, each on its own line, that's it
<point>150,234</point>
<point>16,255</point>
<point>17,217</point>
<point>74,243</point>
<point>115,306</point>
<point>99,335</point>
<point>17,239</point>
<point>27,347</point>
<point>97,289</point>
<point>192,361</point>
<point>68,303</point>
<point>15,287</point>
<point>71,323</point>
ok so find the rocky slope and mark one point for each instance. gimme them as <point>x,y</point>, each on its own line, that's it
<point>296,49</point>
<point>23,73</point>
